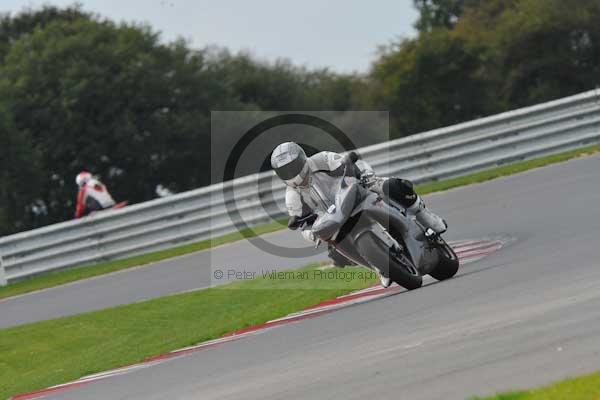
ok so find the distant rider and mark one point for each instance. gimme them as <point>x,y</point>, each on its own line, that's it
<point>291,165</point>
<point>92,195</point>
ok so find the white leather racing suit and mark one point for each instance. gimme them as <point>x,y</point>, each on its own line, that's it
<point>298,200</point>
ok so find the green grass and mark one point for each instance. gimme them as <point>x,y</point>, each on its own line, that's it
<point>61,277</point>
<point>42,354</point>
<point>582,388</point>
<point>503,396</point>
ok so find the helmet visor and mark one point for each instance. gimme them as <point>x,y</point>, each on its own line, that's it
<point>300,179</point>
<point>291,169</point>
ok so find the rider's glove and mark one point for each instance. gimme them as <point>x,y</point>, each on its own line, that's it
<point>353,157</point>
<point>297,222</point>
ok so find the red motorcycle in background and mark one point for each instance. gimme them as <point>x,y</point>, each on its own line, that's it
<point>93,196</point>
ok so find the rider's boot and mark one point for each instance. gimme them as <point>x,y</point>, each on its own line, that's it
<point>402,191</point>
<point>427,218</point>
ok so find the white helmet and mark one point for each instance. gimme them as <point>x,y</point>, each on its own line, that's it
<point>289,162</point>
<point>82,178</point>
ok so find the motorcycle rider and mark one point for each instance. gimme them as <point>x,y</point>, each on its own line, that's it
<point>92,195</point>
<point>293,167</point>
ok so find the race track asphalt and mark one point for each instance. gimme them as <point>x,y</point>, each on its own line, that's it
<point>526,315</point>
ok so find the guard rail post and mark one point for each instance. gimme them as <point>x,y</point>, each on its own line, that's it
<point>3,281</point>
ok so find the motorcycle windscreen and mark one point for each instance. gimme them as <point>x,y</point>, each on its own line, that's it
<point>329,223</point>
<point>347,198</point>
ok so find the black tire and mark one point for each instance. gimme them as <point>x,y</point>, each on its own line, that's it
<point>378,255</point>
<point>448,265</point>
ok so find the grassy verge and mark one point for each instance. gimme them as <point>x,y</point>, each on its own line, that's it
<point>61,277</point>
<point>581,388</point>
<point>42,354</point>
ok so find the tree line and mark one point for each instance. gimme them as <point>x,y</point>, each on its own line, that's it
<point>81,92</point>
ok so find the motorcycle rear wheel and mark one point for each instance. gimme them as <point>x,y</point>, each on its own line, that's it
<point>401,268</point>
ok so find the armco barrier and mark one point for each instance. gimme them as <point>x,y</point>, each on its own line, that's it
<point>199,214</point>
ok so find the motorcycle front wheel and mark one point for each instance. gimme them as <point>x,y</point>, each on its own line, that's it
<point>399,267</point>
<point>448,264</point>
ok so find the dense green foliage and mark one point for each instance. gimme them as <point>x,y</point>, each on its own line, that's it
<point>474,58</point>
<point>439,13</point>
<point>79,92</point>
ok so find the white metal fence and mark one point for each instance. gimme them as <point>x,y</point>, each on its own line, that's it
<point>199,214</point>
